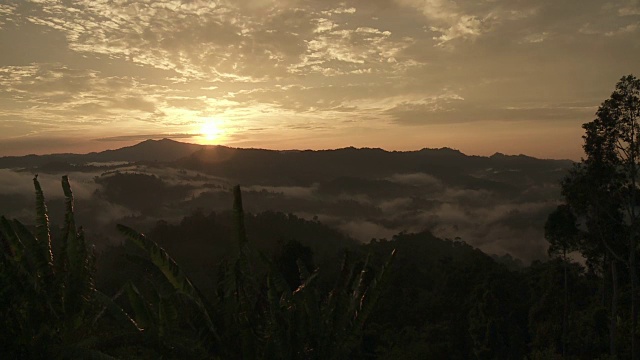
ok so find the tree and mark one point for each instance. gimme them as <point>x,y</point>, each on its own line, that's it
<point>604,186</point>
<point>561,230</point>
<point>588,189</point>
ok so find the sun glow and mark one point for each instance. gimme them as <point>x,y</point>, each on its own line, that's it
<point>210,130</point>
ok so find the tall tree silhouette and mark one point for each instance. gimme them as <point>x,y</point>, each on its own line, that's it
<point>561,230</point>
<point>604,186</point>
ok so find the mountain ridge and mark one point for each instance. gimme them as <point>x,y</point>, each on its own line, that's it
<point>492,201</point>
<point>151,143</point>
<point>305,167</point>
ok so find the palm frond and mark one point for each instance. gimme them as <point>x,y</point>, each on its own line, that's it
<point>174,275</point>
<point>43,232</point>
<point>238,217</point>
<point>161,260</point>
<point>13,247</point>
<point>109,305</point>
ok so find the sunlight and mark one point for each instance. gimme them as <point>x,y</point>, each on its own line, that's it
<point>210,130</point>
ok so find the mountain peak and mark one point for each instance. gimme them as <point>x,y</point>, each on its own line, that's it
<point>443,150</point>
<point>152,150</point>
<point>161,141</point>
<point>499,155</point>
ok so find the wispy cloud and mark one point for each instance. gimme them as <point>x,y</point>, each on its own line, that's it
<point>127,67</point>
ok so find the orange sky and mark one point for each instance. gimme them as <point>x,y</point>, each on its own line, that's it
<point>478,76</point>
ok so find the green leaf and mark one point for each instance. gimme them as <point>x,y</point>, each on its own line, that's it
<point>121,316</point>
<point>12,242</point>
<point>40,269</point>
<point>161,260</point>
<point>238,217</point>
<point>43,233</point>
<point>143,315</point>
<point>70,254</point>
<point>173,274</point>
<point>88,354</point>
<point>371,296</point>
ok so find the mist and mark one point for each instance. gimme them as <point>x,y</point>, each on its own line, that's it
<point>499,208</point>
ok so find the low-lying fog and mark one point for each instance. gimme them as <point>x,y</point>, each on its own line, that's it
<point>496,219</point>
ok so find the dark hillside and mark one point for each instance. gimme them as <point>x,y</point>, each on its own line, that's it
<point>282,168</point>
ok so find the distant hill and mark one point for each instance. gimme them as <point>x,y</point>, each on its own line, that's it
<point>271,167</point>
<point>164,150</point>
<point>498,203</point>
<point>150,150</point>
<point>305,167</point>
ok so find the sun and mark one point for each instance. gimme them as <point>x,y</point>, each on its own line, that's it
<point>210,130</point>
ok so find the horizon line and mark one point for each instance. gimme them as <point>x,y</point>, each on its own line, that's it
<point>172,139</point>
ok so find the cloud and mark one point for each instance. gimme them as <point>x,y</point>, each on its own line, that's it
<point>457,20</point>
<point>21,183</point>
<point>434,9</point>
<point>95,214</point>
<point>53,142</point>
<point>467,27</point>
<point>340,49</point>
<point>420,112</point>
<point>318,70</point>
<point>49,90</point>
<point>395,205</point>
<point>234,41</point>
<point>495,226</point>
<point>6,12</point>
<point>138,103</point>
<point>449,109</point>
<point>509,219</point>
<point>364,231</point>
<point>12,182</point>
<point>420,179</point>
<point>162,35</point>
<point>631,28</point>
<point>535,37</point>
<point>631,10</point>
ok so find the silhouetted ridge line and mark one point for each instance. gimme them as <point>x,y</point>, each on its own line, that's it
<point>285,167</point>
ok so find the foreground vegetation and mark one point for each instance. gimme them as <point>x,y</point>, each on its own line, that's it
<point>52,308</point>
<point>438,298</point>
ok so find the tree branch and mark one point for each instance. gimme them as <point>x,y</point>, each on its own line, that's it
<point>606,245</point>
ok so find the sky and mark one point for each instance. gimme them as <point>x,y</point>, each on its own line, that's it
<point>483,76</point>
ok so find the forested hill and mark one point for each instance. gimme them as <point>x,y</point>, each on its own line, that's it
<point>443,299</point>
<point>303,167</point>
<point>498,203</point>
<point>149,150</point>
<point>339,160</point>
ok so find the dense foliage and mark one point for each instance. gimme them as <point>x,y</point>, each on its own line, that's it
<point>602,192</point>
<point>251,314</point>
<point>438,298</point>
<point>50,307</point>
